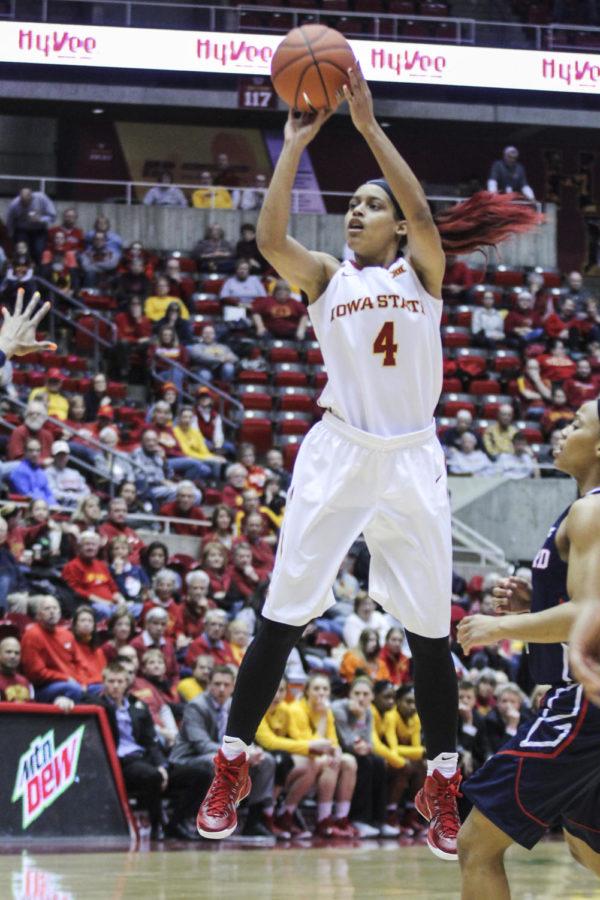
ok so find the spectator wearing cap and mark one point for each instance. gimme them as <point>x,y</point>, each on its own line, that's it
<point>508,175</point>
<point>165,193</point>
<point>498,437</point>
<point>280,315</point>
<point>29,478</point>
<point>90,578</point>
<point>66,483</point>
<point>34,420</point>
<point>28,218</point>
<point>56,403</point>
<point>156,623</point>
<point>213,358</point>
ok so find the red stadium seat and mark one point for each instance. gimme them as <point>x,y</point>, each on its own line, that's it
<point>289,444</point>
<point>472,362</point>
<point>402,7</point>
<point>319,377</point>
<point>531,432</point>
<point>294,399</point>
<point>70,385</point>
<point>451,386</point>
<point>508,277</point>
<point>283,351</point>
<point>254,397</point>
<point>76,363</point>
<point>256,428</point>
<point>211,496</point>
<point>116,390</point>
<point>293,422</point>
<point>483,386</point>
<point>290,375</point>
<point>247,376</point>
<point>491,403</point>
<point>506,361</point>
<point>454,336</point>
<point>450,404</point>
<point>211,284</point>
<point>444,424</point>
<point>206,304</point>
<point>35,379</point>
<point>314,357</point>
<point>480,289</point>
<point>463,315</point>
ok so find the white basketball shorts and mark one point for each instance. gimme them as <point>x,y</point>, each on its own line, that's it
<point>393,490</point>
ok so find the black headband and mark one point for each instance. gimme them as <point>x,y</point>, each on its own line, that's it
<point>382,183</point>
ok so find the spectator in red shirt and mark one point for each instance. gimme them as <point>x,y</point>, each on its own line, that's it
<point>121,628</point>
<point>68,228</point>
<point>164,588</point>
<point>263,558</point>
<point>583,386</point>
<point>222,527</point>
<point>190,615</point>
<point>116,525</point>
<point>558,414</point>
<point>134,333</point>
<point>90,578</point>
<point>212,641</point>
<point>215,558</point>
<point>522,325</point>
<point>248,584</point>
<point>33,426</point>
<point>458,278</point>
<point>58,265</point>
<point>154,635</point>
<point>210,423</point>
<point>14,688</point>
<point>534,391</point>
<point>185,506</point>
<point>92,660</point>
<point>280,315</point>
<point>235,485</point>
<point>396,663</point>
<point>257,475</point>
<point>50,657</point>
<point>564,324</point>
<point>556,364</point>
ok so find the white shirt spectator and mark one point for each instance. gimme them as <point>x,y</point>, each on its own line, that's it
<point>165,195</point>
<point>354,626</point>
<point>247,289</point>
<point>475,462</point>
<point>516,465</point>
<point>67,485</point>
<point>489,321</point>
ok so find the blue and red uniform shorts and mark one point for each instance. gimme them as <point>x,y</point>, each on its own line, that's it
<point>547,775</point>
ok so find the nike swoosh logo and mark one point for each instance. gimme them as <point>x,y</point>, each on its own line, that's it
<point>437,479</point>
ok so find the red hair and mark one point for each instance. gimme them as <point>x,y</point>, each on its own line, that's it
<point>484,220</point>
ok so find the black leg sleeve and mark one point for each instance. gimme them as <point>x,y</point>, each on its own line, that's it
<point>436,692</point>
<point>259,676</point>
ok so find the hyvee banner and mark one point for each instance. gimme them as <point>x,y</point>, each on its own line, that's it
<point>250,54</point>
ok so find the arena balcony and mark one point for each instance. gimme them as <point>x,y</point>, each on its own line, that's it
<point>493,24</point>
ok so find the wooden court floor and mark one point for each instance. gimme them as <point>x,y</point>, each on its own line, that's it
<point>329,873</point>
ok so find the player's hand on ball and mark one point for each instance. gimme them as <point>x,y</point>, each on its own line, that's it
<point>512,595</point>
<point>359,99</point>
<point>301,128</point>
<point>477,631</point>
<point>584,651</point>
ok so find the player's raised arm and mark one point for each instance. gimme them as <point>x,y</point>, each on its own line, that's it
<point>424,242</point>
<point>310,270</point>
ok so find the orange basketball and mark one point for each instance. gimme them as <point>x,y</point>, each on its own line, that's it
<point>310,65</point>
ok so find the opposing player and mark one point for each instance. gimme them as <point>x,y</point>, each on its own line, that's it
<point>548,774</point>
<point>374,464</point>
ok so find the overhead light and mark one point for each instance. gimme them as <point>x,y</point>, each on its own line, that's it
<point>97,111</point>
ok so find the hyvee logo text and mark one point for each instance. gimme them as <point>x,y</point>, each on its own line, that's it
<point>233,51</point>
<point>44,773</point>
<point>59,43</point>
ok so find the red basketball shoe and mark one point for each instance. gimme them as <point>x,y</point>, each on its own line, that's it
<point>436,801</point>
<point>217,817</point>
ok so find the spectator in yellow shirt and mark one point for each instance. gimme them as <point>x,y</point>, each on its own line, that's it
<point>191,441</point>
<point>239,636</point>
<point>156,306</point>
<point>311,719</point>
<point>56,403</point>
<point>498,437</point>
<point>188,688</point>
<point>209,197</point>
<point>409,743</point>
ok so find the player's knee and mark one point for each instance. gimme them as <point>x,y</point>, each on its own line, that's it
<point>585,856</point>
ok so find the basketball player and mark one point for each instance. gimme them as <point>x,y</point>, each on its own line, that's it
<point>374,464</point>
<point>17,331</point>
<point>548,774</point>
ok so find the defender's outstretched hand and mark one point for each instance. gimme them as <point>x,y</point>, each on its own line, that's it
<point>359,98</point>
<point>17,331</point>
<point>584,651</point>
<point>477,631</point>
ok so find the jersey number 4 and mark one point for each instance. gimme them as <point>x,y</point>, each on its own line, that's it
<point>384,343</point>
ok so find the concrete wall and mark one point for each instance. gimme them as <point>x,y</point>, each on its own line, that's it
<point>515,515</point>
<point>28,145</point>
<point>180,229</point>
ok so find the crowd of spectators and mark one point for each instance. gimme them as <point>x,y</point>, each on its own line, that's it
<point>136,552</point>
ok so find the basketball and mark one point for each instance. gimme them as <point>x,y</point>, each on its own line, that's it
<point>310,65</point>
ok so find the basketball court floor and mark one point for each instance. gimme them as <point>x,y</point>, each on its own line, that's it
<point>227,872</point>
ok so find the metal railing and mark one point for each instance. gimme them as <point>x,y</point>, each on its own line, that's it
<point>277,19</point>
<point>190,377</point>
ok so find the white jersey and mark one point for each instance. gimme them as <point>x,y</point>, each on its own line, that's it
<point>379,332</point>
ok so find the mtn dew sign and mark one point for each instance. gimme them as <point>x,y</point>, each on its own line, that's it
<point>45,772</point>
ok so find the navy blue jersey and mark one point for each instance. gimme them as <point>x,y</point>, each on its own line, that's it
<point>548,663</point>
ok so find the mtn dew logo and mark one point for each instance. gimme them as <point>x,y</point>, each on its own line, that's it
<point>46,772</point>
